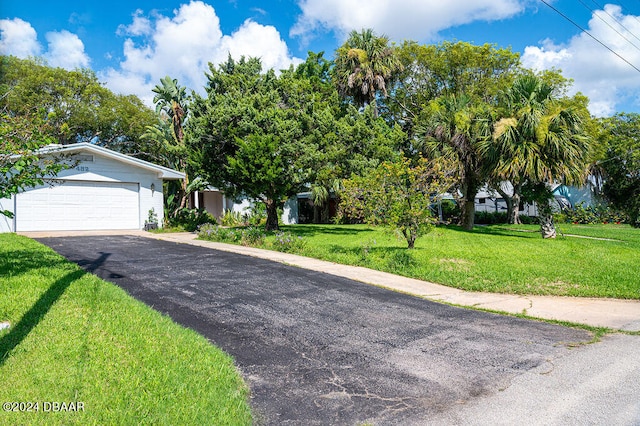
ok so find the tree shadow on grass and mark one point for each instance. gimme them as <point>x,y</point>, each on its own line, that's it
<point>495,230</point>
<point>19,262</point>
<point>311,230</point>
<point>43,305</point>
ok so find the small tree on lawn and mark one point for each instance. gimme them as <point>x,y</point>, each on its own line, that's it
<point>398,195</point>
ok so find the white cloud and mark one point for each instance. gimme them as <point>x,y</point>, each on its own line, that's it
<point>598,73</point>
<point>399,19</point>
<point>66,50</point>
<point>18,38</point>
<point>140,25</point>
<point>182,46</point>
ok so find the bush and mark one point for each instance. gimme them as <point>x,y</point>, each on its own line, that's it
<point>490,218</point>
<point>593,214</point>
<point>190,219</point>
<point>450,211</point>
<point>232,218</point>
<point>252,236</point>
<point>528,220</point>
<point>214,232</point>
<point>287,242</point>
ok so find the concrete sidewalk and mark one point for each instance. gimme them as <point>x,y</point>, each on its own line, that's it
<point>611,313</point>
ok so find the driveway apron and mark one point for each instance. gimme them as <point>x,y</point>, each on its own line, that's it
<point>320,349</point>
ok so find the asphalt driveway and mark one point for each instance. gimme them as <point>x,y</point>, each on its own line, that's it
<point>319,349</point>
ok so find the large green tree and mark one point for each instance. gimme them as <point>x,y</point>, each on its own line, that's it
<point>352,143</point>
<point>254,133</point>
<point>364,64</point>
<point>447,69</point>
<point>620,137</point>
<point>75,105</point>
<point>455,130</point>
<point>538,140</point>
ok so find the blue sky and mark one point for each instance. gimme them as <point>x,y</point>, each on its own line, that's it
<point>131,45</point>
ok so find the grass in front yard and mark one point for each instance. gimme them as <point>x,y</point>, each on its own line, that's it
<point>498,258</point>
<point>76,338</point>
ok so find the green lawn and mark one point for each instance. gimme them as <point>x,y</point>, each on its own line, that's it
<point>498,258</point>
<point>76,338</point>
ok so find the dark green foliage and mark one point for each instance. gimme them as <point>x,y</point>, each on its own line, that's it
<point>621,164</point>
<point>490,218</point>
<point>450,211</point>
<point>254,134</point>
<point>75,105</point>
<point>190,219</point>
<point>592,215</point>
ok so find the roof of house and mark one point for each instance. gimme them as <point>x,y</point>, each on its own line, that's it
<point>163,172</point>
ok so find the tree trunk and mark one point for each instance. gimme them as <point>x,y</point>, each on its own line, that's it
<point>514,217</point>
<point>468,213</point>
<point>468,208</point>
<point>545,216</point>
<point>410,236</point>
<point>513,204</point>
<point>272,215</point>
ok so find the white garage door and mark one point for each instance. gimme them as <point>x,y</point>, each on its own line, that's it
<point>78,206</point>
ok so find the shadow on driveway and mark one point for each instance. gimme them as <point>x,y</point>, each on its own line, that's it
<point>320,349</point>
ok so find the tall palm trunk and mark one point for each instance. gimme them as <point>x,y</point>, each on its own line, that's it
<point>468,208</point>
<point>545,216</point>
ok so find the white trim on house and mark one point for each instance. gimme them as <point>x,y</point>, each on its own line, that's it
<point>105,190</point>
<point>164,173</point>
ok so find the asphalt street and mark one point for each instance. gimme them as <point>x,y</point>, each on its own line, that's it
<point>320,349</point>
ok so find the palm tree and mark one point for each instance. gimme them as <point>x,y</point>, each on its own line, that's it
<point>363,66</point>
<point>171,105</point>
<point>539,140</point>
<point>454,130</point>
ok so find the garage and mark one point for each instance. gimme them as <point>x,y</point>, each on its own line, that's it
<point>104,190</point>
<point>79,205</point>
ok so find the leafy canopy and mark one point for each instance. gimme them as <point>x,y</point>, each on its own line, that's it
<point>398,195</point>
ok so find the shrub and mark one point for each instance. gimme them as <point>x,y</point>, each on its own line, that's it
<point>252,236</point>
<point>490,218</point>
<point>232,218</point>
<point>257,215</point>
<point>590,215</point>
<point>214,232</point>
<point>287,242</point>
<point>450,211</point>
<point>190,219</point>
<point>528,220</point>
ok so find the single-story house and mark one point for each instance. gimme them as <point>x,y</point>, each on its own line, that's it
<point>106,190</point>
<point>215,202</point>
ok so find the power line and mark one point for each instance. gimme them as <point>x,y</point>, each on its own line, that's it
<point>591,35</point>
<point>615,19</point>
<point>625,7</point>
<point>597,15</point>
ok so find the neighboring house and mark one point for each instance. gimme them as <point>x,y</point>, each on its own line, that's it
<point>105,190</point>
<point>215,202</point>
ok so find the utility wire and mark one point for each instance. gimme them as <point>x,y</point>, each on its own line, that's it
<point>591,35</point>
<point>625,7</point>
<point>615,19</point>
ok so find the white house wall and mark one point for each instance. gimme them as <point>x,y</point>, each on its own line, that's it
<point>6,223</point>
<point>105,169</point>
